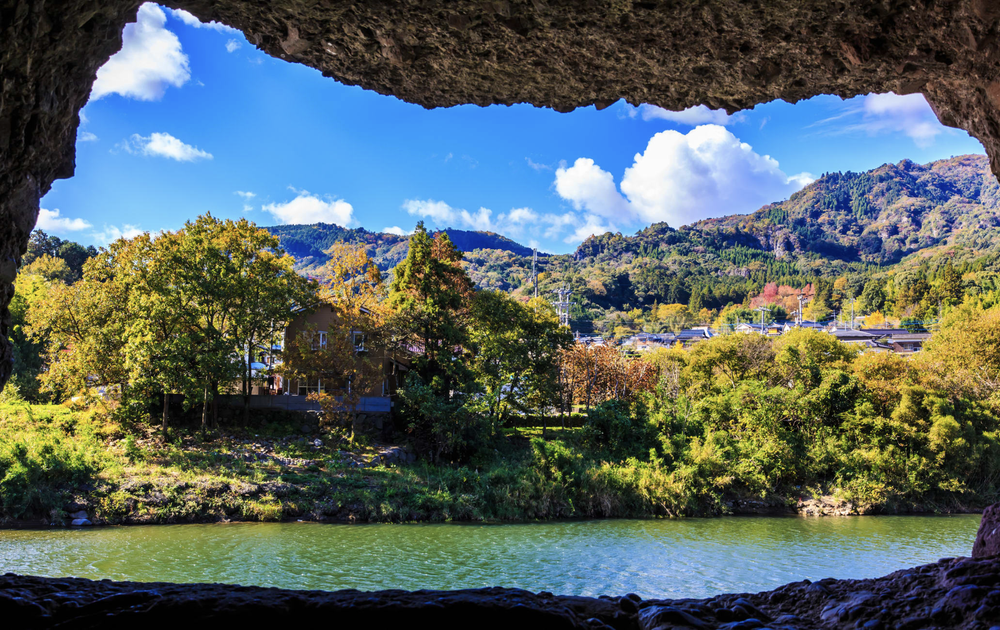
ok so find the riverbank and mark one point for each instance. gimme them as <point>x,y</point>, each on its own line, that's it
<point>63,466</point>
<point>953,593</point>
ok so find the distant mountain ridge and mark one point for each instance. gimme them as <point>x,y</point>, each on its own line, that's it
<point>308,242</point>
<point>890,221</point>
<point>881,215</point>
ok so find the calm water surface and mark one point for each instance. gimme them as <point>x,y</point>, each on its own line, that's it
<point>685,558</point>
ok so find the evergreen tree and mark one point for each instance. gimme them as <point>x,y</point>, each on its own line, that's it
<point>431,291</point>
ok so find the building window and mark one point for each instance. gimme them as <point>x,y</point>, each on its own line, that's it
<point>359,342</point>
<point>320,339</point>
<point>310,386</point>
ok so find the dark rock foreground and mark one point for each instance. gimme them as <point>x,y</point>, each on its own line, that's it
<point>952,593</point>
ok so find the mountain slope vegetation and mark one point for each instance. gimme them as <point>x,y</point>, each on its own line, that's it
<point>899,225</point>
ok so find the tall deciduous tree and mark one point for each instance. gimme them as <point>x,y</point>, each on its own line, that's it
<point>178,312</point>
<point>517,350</point>
<point>259,289</point>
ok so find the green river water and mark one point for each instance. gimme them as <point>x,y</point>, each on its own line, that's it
<point>654,558</point>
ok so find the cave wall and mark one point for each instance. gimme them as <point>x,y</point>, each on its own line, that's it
<point>561,54</point>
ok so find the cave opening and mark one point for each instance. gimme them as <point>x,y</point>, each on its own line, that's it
<point>439,63</point>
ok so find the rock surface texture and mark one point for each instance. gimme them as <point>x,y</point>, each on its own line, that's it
<point>953,593</point>
<point>553,53</point>
<point>988,538</point>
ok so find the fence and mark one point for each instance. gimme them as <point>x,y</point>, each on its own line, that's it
<point>367,404</point>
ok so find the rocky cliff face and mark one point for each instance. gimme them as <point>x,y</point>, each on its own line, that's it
<point>552,53</point>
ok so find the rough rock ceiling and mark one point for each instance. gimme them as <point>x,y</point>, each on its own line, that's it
<point>553,53</point>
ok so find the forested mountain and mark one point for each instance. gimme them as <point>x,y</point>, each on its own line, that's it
<point>900,224</point>
<point>880,215</point>
<point>308,242</point>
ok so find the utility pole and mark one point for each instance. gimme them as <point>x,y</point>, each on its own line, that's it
<point>534,271</point>
<point>762,309</point>
<point>798,318</point>
<point>562,305</point>
<point>852,313</point>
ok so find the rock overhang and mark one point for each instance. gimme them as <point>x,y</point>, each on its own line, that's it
<point>561,54</point>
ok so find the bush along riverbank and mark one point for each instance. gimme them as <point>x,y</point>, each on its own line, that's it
<point>56,463</point>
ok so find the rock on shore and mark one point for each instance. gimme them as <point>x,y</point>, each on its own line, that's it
<point>959,593</point>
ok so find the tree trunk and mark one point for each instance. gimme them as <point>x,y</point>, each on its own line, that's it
<point>215,405</point>
<point>204,411</point>
<point>166,414</point>
<point>246,397</point>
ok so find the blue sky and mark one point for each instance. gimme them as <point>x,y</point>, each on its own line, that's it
<point>191,118</point>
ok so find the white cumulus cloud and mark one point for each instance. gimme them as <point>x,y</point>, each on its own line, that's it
<point>307,208</point>
<point>589,187</point>
<point>163,145</point>
<point>233,45</point>
<point>398,231</point>
<point>191,20</point>
<point>679,178</point>
<point>150,60</point>
<point>51,221</point>
<point>112,233</point>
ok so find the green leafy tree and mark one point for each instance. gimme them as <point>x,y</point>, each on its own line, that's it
<point>258,289</point>
<point>872,297</point>
<point>517,351</point>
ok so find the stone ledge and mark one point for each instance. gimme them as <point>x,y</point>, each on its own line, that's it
<point>952,593</point>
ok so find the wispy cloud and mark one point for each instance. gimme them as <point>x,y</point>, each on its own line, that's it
<point>692,116</point>
<point>245,194</point>
<point>163,145</point>
<point>112,233</point>
<point>150,60</point>
<point>879,114</point>
<point>191,20</point>
<point>515,223</point>
<point>537,166</point>
<point>86,136</point>
<point>233,45</point>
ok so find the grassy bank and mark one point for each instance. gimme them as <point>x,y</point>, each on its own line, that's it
<point>55,461</point>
